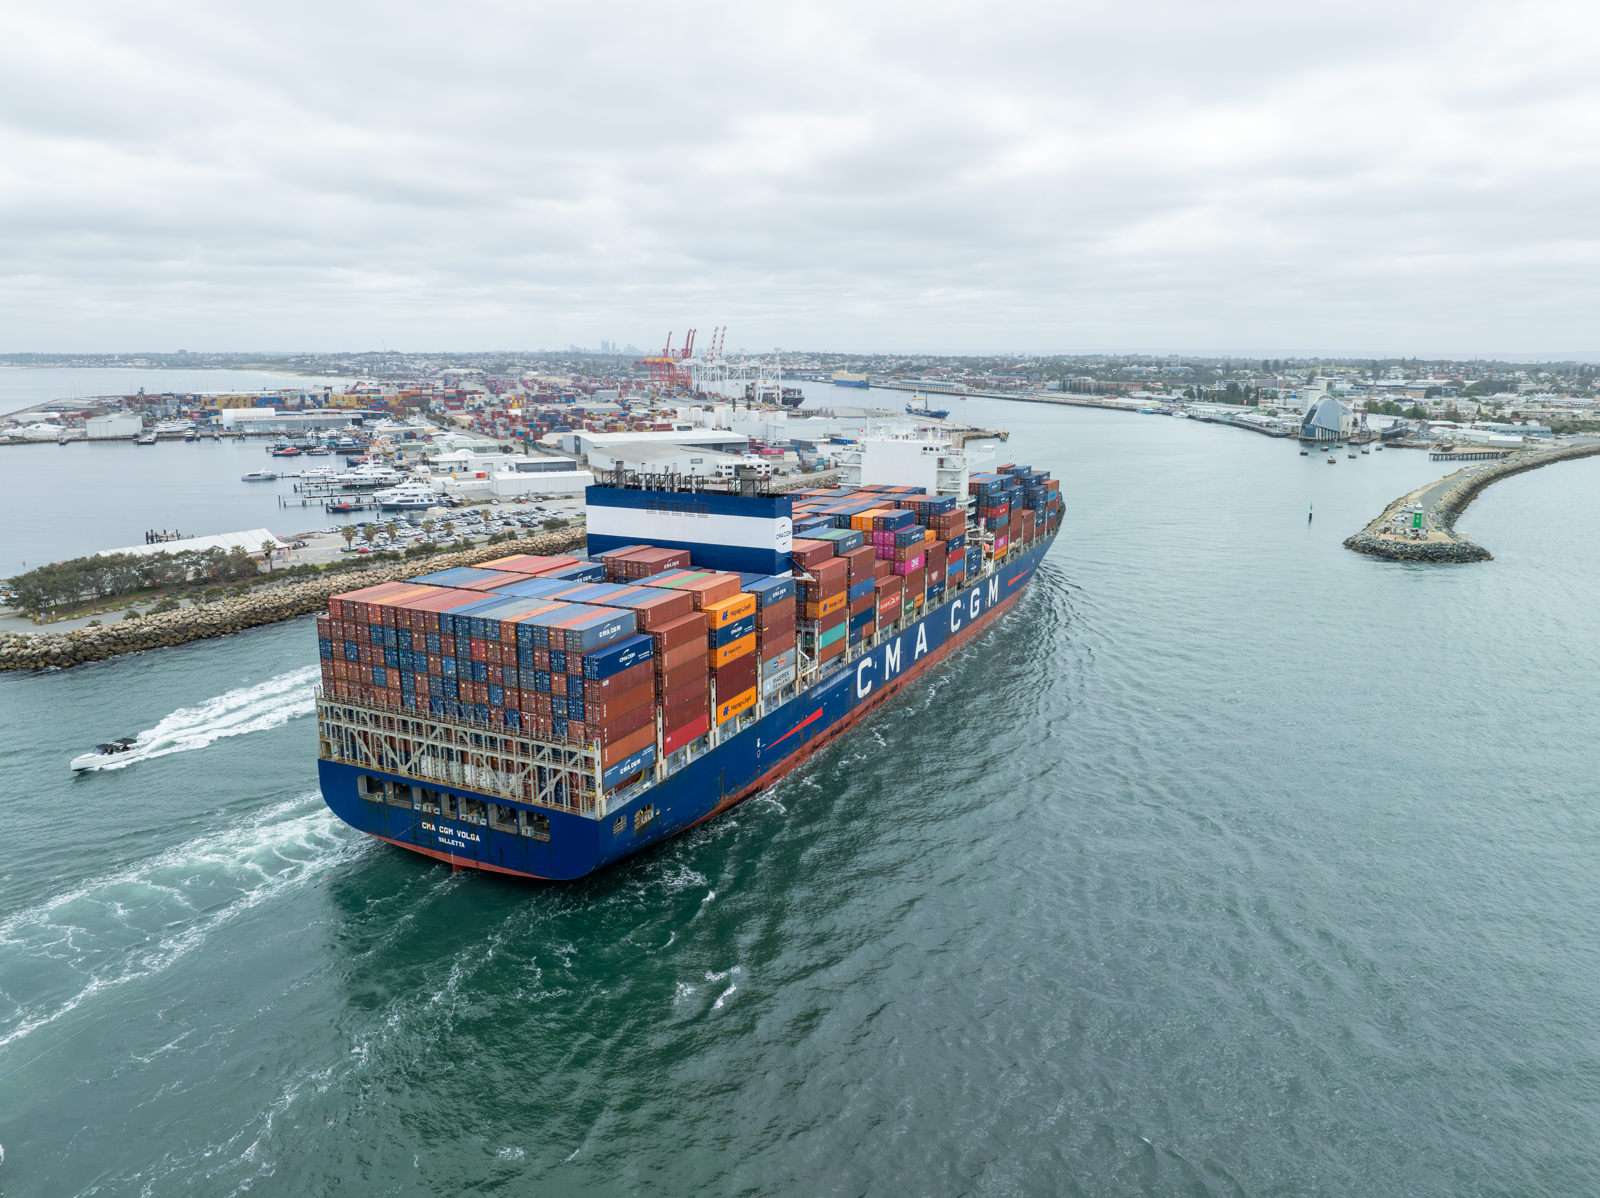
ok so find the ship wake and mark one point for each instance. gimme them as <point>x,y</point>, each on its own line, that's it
<point>137,921</point>
<point>237,712</point>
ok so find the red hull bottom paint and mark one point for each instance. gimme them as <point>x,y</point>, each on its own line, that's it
<point>460,862</point>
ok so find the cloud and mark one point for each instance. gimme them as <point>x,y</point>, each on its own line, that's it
<point>1253,177</point>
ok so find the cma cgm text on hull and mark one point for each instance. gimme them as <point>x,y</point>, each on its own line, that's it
<point>547,716</point>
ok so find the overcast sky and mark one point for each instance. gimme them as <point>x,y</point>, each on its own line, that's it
<point>1260,178</point>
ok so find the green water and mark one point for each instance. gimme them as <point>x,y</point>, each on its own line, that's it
<point>1229,863</point>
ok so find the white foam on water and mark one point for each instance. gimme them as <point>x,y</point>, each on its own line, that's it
<point>235,713</point>
<point>81,937</point>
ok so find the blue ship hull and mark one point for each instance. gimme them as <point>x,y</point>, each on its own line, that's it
<point>741,766</point>
<point>863,384</point>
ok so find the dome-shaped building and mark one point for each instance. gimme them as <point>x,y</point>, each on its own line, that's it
<point>1328,419</point>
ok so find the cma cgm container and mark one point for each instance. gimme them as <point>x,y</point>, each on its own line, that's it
<point>544,717</point>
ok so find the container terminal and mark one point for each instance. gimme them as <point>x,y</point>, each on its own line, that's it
<point>545,716</point>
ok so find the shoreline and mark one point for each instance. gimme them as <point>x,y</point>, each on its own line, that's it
<point>11,414</point>
<point>205,621</point>
<point>1442,502</point>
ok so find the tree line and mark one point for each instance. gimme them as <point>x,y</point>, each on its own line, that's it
<point>113,575</point>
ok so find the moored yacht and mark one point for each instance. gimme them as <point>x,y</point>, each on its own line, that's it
<point>407,497</point>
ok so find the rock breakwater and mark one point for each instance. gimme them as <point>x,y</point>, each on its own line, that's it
<point>1440,503</point>
<point>38,651</point>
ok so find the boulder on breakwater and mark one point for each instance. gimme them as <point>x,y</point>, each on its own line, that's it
<point>1458,550</point>
<point>39,651</point>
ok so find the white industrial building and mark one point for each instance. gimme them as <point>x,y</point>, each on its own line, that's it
<point>655,457</point>
<point>1327,419</point>
<point>250,540</point>
<point>114,426</point>
<point>583,443</point>
<point>935,465</point>
<point>506,475</point>
<point>270,420</point>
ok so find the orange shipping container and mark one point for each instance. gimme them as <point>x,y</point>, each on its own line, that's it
<point>732,651</point>
<point>725,611</point>
<point>729,708</point>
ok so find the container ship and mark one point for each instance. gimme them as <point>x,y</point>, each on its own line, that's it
<point>849,378</point>
<point>546,716</point>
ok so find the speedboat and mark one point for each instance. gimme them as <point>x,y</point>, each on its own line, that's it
<point>112,750</point>
<point>259,476</point>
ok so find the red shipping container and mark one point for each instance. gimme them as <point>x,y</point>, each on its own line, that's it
<point>641,674</point>
<point>528,563</point>
<point>692,674</point>
<point>672,741</point>
<point>623,723</point>
<point>611,559</point>
<point>675,659</point>
<point>653,607</point>
<point>626,746</point>
<point>680,711</point>
<point>617,702</point>
<point>775,643</point>
<point>809,553</point>
<point>776,615</point>
<point>736,677</point>
<point>860,562</point>
<point>687,630</point>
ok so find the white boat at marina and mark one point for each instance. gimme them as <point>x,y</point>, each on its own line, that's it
<point>369,475</point>
<point>259,476</point>
<point>407,497</point>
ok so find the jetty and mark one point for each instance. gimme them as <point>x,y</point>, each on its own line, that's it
<point>1420,525</point>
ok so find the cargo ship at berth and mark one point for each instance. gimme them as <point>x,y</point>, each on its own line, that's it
<point>547,716</point>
